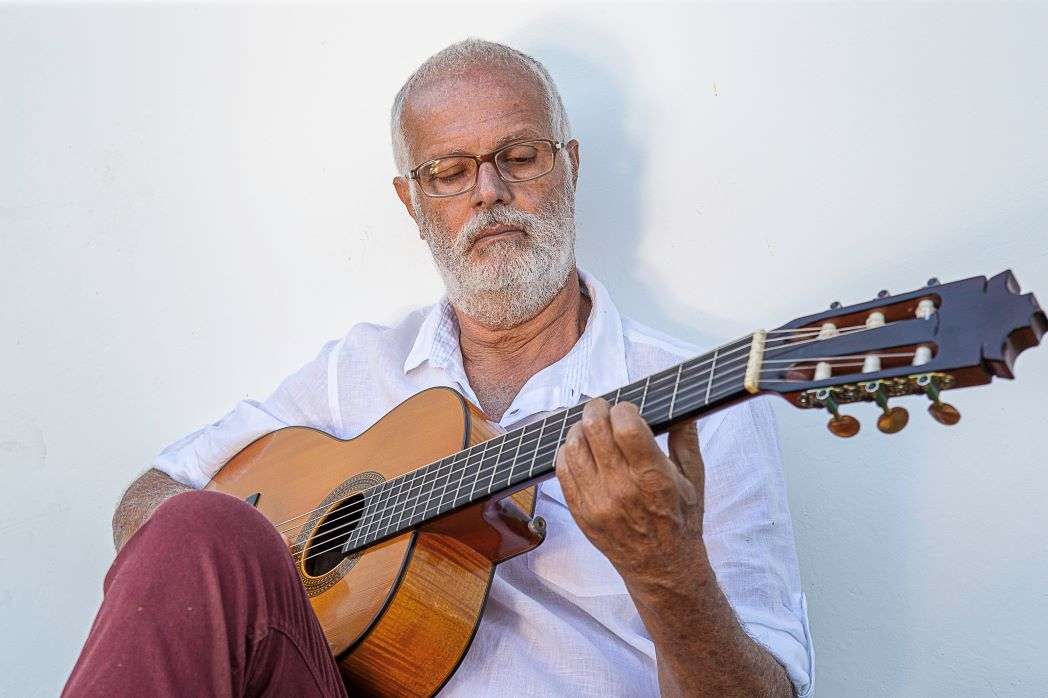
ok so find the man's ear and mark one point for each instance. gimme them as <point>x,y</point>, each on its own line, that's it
<point>573,153</point>
<point>403,187</point>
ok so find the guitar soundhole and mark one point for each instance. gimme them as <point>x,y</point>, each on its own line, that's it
<point>324,551</point>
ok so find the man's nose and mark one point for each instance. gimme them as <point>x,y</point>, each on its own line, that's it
<point>490,189</point>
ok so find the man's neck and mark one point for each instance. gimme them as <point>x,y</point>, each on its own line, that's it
<point>499,362</point>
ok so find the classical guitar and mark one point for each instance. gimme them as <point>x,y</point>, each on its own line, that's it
<point>396,533</point>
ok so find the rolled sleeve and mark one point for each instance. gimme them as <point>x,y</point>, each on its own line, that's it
<point>789,642</point>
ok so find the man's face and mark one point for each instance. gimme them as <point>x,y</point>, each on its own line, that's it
<point>504,249</point>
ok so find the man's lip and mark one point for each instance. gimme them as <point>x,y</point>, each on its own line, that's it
<point>497,230</point>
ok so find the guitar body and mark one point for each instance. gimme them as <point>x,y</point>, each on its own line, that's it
<point>400,615</point>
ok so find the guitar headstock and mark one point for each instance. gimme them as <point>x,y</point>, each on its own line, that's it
<point>940,337</point>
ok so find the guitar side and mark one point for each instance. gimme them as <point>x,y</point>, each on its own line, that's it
<point>400,615</point>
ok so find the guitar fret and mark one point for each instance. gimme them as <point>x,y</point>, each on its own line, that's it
<point>644,397</point>
<point>713,369</point>
<point>407,498</point>
<point>538,441</point>
<point>513,460</point>
<point>495,465</point>
<point>676,387</point>
<point>479,470</point>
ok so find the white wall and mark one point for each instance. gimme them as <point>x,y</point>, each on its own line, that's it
<point>193,199</point>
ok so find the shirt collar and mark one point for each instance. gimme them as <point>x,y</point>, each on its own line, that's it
<point>594,366</point>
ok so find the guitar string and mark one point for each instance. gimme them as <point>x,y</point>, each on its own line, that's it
<point>403,499</point>
<point>784,342</point>
<point>326,537</point>
<point>667,376</point>
<point>746,347</point>
<point>408,497</point>
<point>499,473</point>
<point>425,513</point>
<point>803,332</point>
<point>536,431</point>
<point>463,456</point>
<point>340,545</point>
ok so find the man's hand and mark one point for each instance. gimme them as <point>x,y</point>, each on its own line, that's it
<point>643,510</point>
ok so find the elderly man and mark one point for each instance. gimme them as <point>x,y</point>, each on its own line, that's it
<point>659,575</point>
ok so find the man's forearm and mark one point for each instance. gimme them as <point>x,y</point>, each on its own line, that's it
<point>140,501</point>
<point>701,648</point>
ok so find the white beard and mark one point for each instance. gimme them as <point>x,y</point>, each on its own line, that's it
<point>509,281</point>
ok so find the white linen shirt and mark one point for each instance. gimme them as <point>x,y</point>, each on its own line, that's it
<point>559,621</point>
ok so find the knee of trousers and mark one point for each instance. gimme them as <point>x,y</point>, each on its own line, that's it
<point>214,525</point>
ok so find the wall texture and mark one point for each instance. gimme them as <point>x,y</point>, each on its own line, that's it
<point>192,200</point>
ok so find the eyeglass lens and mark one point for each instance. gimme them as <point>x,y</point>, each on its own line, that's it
<point>515,163</point>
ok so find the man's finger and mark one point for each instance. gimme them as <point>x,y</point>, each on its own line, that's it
<point>575,465</point>
<point>633,436</point>
<point>596,423</point>
<point>685,453</point>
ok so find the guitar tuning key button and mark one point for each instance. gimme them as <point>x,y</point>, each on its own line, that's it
<point>941,412</point>
<point>944,413</point>
<point>842,425</point>
<point>894,419</point>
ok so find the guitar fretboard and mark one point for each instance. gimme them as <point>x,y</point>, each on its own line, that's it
<point>528,454</point>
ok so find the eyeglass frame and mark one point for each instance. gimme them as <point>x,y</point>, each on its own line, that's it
<point>480,160</point>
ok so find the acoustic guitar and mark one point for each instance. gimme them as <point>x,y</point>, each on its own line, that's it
<point>396,533</point>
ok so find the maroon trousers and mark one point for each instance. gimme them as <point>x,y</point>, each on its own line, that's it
<point>204,600</point>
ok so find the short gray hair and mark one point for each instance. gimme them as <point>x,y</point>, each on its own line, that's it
<point>459,56</point>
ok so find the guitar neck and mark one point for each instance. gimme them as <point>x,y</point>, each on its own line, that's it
<point>528,454</point>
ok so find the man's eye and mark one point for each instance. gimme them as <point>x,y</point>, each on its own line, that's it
<point>451,175</point>
<point>521,155</point>
<point>445,174</point>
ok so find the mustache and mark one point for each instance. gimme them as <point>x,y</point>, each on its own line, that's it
<point>489,217</point>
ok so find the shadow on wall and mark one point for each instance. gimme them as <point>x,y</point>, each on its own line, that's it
<point>592,77</point>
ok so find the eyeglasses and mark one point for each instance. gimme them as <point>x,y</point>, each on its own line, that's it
<point>457,174</point>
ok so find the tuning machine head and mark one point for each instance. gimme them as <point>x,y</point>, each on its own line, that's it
<point>941,412</point>
<point>842,425</point>
<point>894,419</point>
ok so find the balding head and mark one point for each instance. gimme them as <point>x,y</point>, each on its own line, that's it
<point>463,59</point>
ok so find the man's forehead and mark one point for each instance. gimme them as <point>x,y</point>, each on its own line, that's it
<point>456,111</point>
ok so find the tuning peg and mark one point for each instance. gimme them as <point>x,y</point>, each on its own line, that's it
<point>941,412</point>
<point>883,293</point>
<point>894,419</point>
<point>932,282</point>
<point>944,413</point>
<point>842,425</point>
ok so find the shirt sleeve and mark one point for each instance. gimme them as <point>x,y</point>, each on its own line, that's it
<point>302,399</point>
<point>749,538</point>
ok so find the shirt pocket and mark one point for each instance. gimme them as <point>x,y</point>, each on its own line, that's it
<point>566,559</point>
